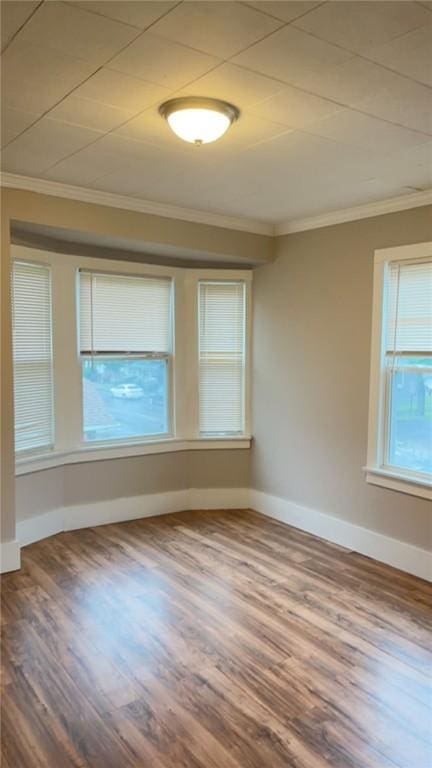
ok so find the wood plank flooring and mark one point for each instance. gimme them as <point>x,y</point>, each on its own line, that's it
<point>212,640</point>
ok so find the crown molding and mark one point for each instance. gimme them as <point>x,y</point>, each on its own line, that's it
<point>366,211</point>
<point>254,226</point>
<point>57,189</point>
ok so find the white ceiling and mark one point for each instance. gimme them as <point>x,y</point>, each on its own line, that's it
<point>335,100</point>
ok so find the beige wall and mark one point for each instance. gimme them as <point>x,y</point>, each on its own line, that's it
<point>312,323</point>
<point>158,473</point>
<point>7,462</point>
<point>39,492</point>
<point>312,328</point>
<point>117,223</point>
<point>50,489</point>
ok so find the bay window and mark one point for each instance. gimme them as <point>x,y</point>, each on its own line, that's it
<point>113,358</point>
<point>400,428</point>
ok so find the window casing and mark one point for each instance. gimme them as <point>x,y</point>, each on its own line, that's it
<point>74,349</point>
<point>400,408</point>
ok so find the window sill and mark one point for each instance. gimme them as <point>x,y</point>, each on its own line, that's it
<point>398,482</point>
<point>29,464</point>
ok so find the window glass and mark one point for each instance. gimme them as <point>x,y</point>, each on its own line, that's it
<point>124,398</point>
<point>410,418</point>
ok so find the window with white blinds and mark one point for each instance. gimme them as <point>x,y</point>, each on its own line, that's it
<point>409,308</point>
<point>121,313</point>
<point>222,351</point>
<point>32,353</point>
<point>125,342</point>
<point>136,358</point>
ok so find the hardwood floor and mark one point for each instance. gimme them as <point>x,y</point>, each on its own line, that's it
<point>213,640</point>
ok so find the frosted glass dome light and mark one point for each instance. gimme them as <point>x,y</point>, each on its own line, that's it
<point>199,121</point>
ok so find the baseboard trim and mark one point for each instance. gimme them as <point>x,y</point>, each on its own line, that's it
<point>399,554</point>
<point>129,508</point>
<point>40,527</point>
<point>383,548</point>
<point>10,557</point>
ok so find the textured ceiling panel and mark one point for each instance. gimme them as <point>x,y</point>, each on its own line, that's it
<point>335,108</point>
<point>283,10</point>
<point>35,78</point>
<point>14,122</point>
<point>358,26</point>
<point>235,84</point>
<point>404,102</point>
<point>295,108</point>
<point>354,128</point>
<point>410,54</point>
<point>75,32</point>
<point>90,114</point>
<point>291,55</point>
<point>134,12</point>
<point>88,164</point>
<point>107,86</point>
<point>162,61</point>
<point>44,144</point>
<point>351,81</point>
<point>218,28</point>
<point>13,17</point>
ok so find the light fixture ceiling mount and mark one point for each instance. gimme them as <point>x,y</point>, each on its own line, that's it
<point>198,120</point>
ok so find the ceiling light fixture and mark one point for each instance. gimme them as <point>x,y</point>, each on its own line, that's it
<point>197,120</point>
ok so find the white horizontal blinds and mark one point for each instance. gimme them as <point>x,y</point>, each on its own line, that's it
<point>409,308</point>
<point>119,313</point>
<point>221,357</point>
<point>32,351</point>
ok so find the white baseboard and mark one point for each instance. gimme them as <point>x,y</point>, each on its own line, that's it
<point>129,508</point>
<point>385,549</point>
<point>120,510</point>
<point>40,526</point>
<point>10,558</point>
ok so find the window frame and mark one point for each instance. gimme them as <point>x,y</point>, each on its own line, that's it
<point>69,444</point>
<point>377,470</point>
